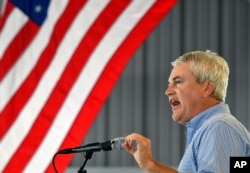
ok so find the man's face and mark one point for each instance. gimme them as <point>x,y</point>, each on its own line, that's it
<point>185,94</point>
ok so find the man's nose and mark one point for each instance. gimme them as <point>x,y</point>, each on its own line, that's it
<point>169,91</point>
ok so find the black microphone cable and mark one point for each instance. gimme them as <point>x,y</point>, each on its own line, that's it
<point>53,162</point>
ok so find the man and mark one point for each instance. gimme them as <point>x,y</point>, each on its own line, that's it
<point>197,89</point>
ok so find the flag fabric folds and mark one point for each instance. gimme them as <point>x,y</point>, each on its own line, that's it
<point>59,60</point>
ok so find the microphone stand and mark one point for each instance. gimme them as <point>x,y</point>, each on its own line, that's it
<point>87,155</point>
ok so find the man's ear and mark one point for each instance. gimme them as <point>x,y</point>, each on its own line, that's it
<point>209,88</point>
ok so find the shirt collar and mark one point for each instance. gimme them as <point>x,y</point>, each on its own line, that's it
<point>195,123</point>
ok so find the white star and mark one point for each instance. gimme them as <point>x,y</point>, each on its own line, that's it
<point>38,8</point>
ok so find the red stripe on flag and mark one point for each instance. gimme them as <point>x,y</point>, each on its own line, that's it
<point>8,9</point>
<point>109,77</point>
<point>60,92</point>
<point>17,47</point>
<point>17,102</point>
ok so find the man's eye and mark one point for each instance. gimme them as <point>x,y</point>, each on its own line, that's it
<point>175,82</point>
<point>178,82</point>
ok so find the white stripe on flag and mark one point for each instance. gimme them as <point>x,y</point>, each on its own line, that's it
<point>16,21</point>
<point>94,67</point>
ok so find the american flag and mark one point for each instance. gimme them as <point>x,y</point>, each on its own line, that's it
<point>59,60</point>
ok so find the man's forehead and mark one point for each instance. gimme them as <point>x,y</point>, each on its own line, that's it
<point>180,68</point>
<point>179,71</point>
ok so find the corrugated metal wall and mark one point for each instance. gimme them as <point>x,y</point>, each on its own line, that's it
<point>138,103</point>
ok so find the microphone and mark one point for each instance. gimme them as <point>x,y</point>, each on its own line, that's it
<point>115,144</point>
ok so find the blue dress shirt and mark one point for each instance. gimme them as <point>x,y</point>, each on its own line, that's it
<point>212,137</point>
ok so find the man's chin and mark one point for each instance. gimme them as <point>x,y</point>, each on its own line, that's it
<point>177,119</point>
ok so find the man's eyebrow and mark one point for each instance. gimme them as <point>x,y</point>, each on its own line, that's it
<point>175,78</point>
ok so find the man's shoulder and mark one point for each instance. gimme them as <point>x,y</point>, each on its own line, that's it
<point>224,127</point>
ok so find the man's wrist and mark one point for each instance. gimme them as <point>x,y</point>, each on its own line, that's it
<point>151,167</point>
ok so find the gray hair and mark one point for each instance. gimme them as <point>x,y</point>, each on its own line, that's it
<point>208,66</point>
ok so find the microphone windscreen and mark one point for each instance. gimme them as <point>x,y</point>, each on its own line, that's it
<point>116,143</point>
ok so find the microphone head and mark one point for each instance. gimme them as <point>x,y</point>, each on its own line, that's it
<point>116,144</point>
